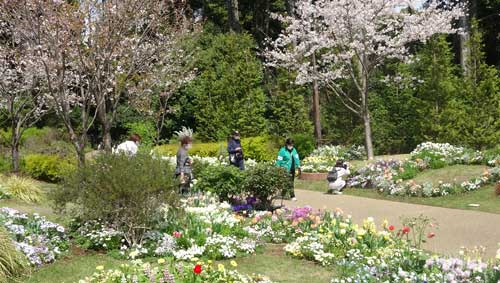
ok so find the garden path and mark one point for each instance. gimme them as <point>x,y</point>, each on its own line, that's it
<point>456,228</point>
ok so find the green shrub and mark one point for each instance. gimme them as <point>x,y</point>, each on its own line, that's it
<point>304,144</point>
<point>126,192</point>
<point>407,171</point>
<point>50,168</point>
<point>224,181</point>
<point>260,149</point>
<point>12,262</point>
<point>266,182</point>
<point>23,189</point>
<point>257,148</point>
<point>198,149</point>
<point>434,160</point>
<point>5,165</point>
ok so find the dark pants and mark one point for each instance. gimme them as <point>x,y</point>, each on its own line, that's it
<point>292,184</point>
<point>239,163</point>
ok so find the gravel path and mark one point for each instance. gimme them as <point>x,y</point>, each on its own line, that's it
<point>456,228</point>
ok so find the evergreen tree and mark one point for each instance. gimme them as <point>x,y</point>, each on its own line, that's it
<point>228,90</point>
<point>472,117</point>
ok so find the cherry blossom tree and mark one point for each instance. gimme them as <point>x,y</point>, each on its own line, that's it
<point>21,96</point>
<point>51,32</point>
<point>128,48</point>
<point>351,38</point>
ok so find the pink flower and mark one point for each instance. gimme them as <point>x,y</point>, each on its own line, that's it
<point>391,228</point>
<point>431,235</point>
<point>177,234</point>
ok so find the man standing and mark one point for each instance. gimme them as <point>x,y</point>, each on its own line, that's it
<point>288,158</point>
<point>235,151</point>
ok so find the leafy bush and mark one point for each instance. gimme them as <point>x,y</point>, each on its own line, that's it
<point>408,170</point>
<point>50,168</point>
<point>146,129</point>
<point>199,149</point>
<point>23,189</point>
<point>224,181</point>
<point>261,148</point>
<point>258,148</point>
<point>4,164</point>
<point>12,262</point>
<point>125,192</point>
<point>304,144</point>
<point>266,182</point>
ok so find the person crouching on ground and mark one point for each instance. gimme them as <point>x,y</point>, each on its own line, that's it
<point>336,176</point>
<point>235,151</point>
<point>183,169</point>
<point>288,158</point>
<point>129,147</point>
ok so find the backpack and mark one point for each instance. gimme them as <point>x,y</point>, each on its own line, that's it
<point>332,175</point>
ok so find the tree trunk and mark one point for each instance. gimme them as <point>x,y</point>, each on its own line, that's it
<point>233,15</point>
<point>15,155</point>
<point>316,107</point>
<point>365,113</point>
<point>290,7</point>
<point>14,145</point>
<point>368,134</point>
<point>106,135</point>
<point>464,39</point>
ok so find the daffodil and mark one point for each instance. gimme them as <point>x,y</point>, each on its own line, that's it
<point>233,263</point>
<point>220,267</point>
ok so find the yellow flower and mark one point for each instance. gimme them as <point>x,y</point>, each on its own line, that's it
<point>220,267</point>
<point>194,259</point>
<point>233,263</point>
<point>100,268</point>
<point>209,261</point>
<point>161,261</point>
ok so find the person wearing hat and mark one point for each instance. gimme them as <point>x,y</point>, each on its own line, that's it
<point>288,158</point>
<point>235,151</point>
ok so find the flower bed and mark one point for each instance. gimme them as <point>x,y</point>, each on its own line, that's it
<point>207,229</point>
<point>170,272</point>
<point>40,240</point>
<point>389,177</point>
<point>323,158</point>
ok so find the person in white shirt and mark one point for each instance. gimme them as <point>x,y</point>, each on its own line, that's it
<point>336,177</point>
<point>129,147</point>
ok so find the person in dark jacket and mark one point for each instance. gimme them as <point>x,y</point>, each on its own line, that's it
<point>183,169</point>
<point>235,151</point>
<point>288,158</point>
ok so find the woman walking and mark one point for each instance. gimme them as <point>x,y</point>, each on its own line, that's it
<point>288,158</point>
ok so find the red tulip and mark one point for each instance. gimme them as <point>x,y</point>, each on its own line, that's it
<point>406,230</point>
<point>431,235</point>
<point>391,228</point>
<point>197,269</point>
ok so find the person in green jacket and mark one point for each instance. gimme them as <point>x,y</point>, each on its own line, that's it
<point>288,158</point>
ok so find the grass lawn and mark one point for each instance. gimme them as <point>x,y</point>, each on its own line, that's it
<point>485,196</point>
<point>271,262</point>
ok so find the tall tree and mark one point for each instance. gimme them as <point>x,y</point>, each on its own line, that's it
<point>350,39</point>
<point>124,43</point>
<point>233,14</point>
<point>51,32</point>
<point>21,93</point>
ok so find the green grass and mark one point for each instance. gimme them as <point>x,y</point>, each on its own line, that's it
<point>272,262</point>
<point>450,174</point>
<point>281,268</point>
<point>71,269</point>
